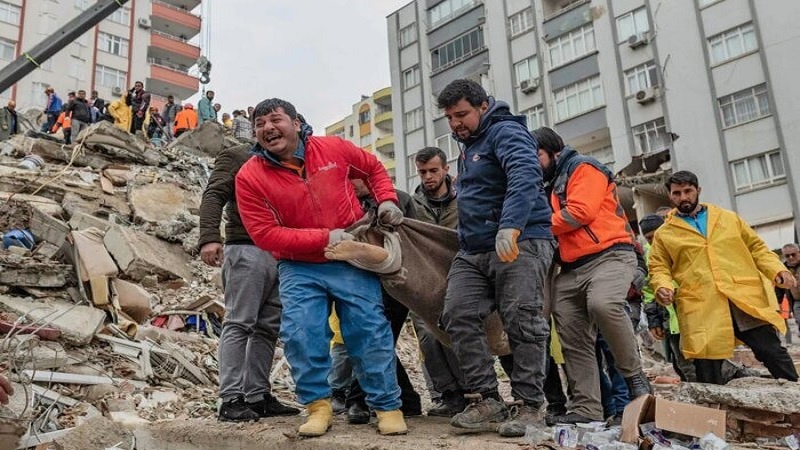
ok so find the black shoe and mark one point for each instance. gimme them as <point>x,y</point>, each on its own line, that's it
<point>414,409</point>
<point>571,419</point>
<point>638,385</point>
<point>338,399</point>
<point>357,414</point>
<point>451,404</point>
<point>236,410</point>
<point>551,414</point>
<point>271,407</point>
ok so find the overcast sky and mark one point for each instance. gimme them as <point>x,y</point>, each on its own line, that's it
<point>320,55</point>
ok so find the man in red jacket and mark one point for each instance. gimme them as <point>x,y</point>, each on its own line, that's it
<point>295,199</point>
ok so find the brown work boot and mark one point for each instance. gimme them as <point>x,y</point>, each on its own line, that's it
<point>320,418</point>
<point>522,416</point>
<point>481,414</point>
<point>391,423</point>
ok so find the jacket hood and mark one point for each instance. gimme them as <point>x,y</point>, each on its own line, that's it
<point>498,111</point>
<point>566,154</point>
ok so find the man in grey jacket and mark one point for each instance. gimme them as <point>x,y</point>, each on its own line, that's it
<point>252,305</point>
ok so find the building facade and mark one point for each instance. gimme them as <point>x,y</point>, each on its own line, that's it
<point>145,40</point>
<point>647,87</point>
<point>370,126</point>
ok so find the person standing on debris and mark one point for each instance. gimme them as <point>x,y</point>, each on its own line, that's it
<point>435,202</point>
<point>80,113</point>
<point>140,102</point>
<point>185,120</point>
<point>598,265</point>
<point>252,304</point>
<point>9,124</point>
<point>295,200</point>
<point>168,113</point>
<point>156,126</point>
<point>98,106</point>
<point>242,128</point>
<point>227,122</point>
<point>52,109</point>
<point>506,249</point>
<point>205,108</point>
<point>724,274</point>
<point>120,111</point>
<point>65,123</point>
<point>791,256</point>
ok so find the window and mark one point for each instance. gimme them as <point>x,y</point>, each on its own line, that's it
<point>38,99</point>
<point>108,77</point>
<point>351,131</point>
<point>77,68</point>
<point>364,116</point>
<point>82,4</point>
<point>632,23</point>
<point>413,119</point>
<point>411,77</point>
<point>732,43</point>
<point>578,98</point>
<point>366,140</point>
<point>447,10</point>
<point>9,13</point>
<point>112,44</point>
<point>641,77</point>
<point>527,69</point>
<point>605,155</point>
<point>408,35</point>
<point>121,16</point>
<point>8,50</point>
<point>755,171</point>
<point>744,106</point>
<point>651,137</point>
<point>520,22</point>
<point>572,45</point>
<point>449,146</point>
<point>535,117</point>
<point>456,50</point>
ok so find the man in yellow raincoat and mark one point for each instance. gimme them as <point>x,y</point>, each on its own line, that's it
<point>724,273</point>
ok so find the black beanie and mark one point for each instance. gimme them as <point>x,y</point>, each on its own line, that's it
<point>650,222</point>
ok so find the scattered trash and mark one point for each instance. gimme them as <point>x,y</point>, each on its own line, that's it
<point>32,162</point>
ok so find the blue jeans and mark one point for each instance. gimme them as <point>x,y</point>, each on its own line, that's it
<point>307,290</point>
<point>342,369</point>
<point>613,390</point>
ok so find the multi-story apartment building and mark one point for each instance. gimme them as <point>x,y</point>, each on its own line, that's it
<point>370,127</point>
<point>146,40</point>
<point>647,87</point>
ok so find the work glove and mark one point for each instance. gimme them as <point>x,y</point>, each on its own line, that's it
<point>339,235</point>
<point>389,214</point>
<point>505,244</point>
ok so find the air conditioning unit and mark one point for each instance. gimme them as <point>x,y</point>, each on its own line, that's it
<point>116,90</point>
<point>646,95</point>
<point>637,40</point>
<point>145,23</point>
<point>529,86</point>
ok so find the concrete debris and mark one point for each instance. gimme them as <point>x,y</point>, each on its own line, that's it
<point>82,221</point>
<point>158,202</point>
<point>132,299</point>
<point>205,140</point>
<point>139,254</point>
<point>21,270</point>
<point>46,205</point>
<point>77,323</point>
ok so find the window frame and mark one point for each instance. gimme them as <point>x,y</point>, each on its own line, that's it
<point>106,43</point>
<point>461,7</point>
<point>418,115</point>
<point>8,44</point>
<point>577,89</point>
<point>10,13</point>
<point>761,101</point>
<point>465,54</point>
<point>724,38</point>
<point>650,72</point>
<point>407,74</point>
<point>530,62</point>
<point>449,146</point>
<point>124,12</point>
<point>412,28</point>
<point>771,179</point>
<point>101,72</point>
<point>537,112</point>
<point>632,14</point>
<point>657,138</point>
<point>526,22</point>
<point>568,40</point>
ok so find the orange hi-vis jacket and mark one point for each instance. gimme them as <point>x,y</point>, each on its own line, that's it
<point>64,121</point>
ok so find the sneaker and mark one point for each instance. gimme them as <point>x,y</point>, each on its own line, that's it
<point>338,399</point>
<point>481,414</point>
<point>236,410</point>
<point>638,385</point>
<point>271,407</point>
<point>551,413</point>
<point>358,414</point>
<point>571,419</point>
<point>451,403</point>
<point>522,416</point>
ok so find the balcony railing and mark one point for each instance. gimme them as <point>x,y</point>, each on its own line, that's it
<point>169,65</point>
<point>171,6</point>
<point>169,36</point>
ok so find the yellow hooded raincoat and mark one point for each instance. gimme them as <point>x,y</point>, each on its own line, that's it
<point>730,263</point>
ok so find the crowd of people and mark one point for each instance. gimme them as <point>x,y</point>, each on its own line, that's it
<point>543,240</point>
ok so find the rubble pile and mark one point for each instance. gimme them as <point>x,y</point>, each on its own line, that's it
<point>103,312</point>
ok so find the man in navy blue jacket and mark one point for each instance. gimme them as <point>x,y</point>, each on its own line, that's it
<point>506,248</point>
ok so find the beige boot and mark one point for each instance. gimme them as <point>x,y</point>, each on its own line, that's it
<point>391,422</point>
<point>320,418</point>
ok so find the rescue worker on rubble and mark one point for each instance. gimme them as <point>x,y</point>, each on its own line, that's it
<point>252,304</point>
<point>724,274</point>
<point>292,203</point>
<point>120,111</point>
<point>506,249</point>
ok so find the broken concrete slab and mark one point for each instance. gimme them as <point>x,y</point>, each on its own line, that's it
<point>77,323</point>
<point>31,353</point>
<point>118,145</point>
<point>46,205</point>
<point>19,270</point>
<point>94,261</point>
<point>132,299</point>
<point>47,228</point>
<point>139,254</point>
<point>205,140</point>
<point>157,202</point>
<point>81,221</point>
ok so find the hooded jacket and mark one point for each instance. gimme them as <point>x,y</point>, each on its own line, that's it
<point>291,214</point>
<point>499,182</point>
<point>443,212</point>
<point>121,112</point>
<point>219,194</point>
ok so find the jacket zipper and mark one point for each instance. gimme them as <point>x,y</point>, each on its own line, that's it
<point>591,234</point>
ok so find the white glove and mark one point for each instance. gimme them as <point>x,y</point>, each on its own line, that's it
<point>389,214</point>
<point>339,235</point>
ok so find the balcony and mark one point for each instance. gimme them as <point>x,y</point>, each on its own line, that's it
<point>177,51</point>
<point>186,5</point>
<point>385,144</point>
<point>170,79</point>
<point>390,165</point>
<point>383,97</point>
<point>173,20</point>
<point>383,121</point>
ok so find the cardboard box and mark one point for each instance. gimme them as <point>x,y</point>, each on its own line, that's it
<point>683,418</point>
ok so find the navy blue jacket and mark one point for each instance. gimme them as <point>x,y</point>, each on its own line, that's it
<point>500,182</point>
